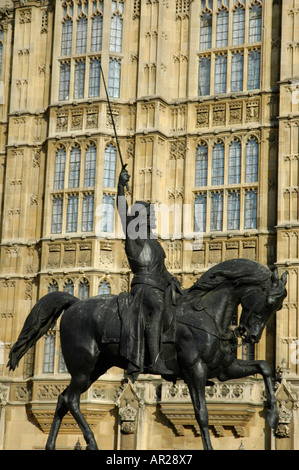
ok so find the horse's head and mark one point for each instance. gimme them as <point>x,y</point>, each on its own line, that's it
<point>259,304</point>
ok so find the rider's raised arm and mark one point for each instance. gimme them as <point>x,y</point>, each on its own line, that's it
<point>121,201</point>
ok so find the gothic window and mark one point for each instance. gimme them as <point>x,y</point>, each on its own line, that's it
<point>68,8</point>
<point>57,209</point>
<point>75,162</point>
<point>81,39</point>
<point>72,213</point>
<point>83,6</point>
<point>81,200</point>
<point>108,213</point>
<point>94,78</point>
<point>200,209</point>
<point>114,78</point>
<point>79,79</point>
<point>251,166</point>
<point>50,345</point>
<point>222,28</point>
<point>233,210</point>
<point>237,72</point>
<point>214,29</point>
<point>67,36</point>
<point>220,73</point>
<point>255,23</point>
<point>250,209</point>
<point>253,81</point>
<point>52,287</point>
<point>87,213</point>
<point>97,5</point>
<point>96,33</point>
<point>222,2</point>
<point>64,81</point>
<point>218,164</point>
<point>234,163</point>
<point>83,289</point>
<point>204,76</point>
<point>216,211</point>
<point>29,363</point>
<point>238,25</point>
<point>69,287</point>
<point>80,21</point>
<point>90,166</point>
<point>206,4</point>
<point>59,169</point>
<point>116,33</point>
<point>201,165</point>
<point>226,168</point>
<point>206,31</point>
<point>49,353</point>
<point>104,288</point>
<point>248,352</point>
<point>109,167</point>
<point>62,369</point>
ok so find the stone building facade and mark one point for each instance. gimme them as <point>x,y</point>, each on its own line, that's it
<point>205,100</point>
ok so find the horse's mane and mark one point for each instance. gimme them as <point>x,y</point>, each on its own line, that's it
<point>239,271</point>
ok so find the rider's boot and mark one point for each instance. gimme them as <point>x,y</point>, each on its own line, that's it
<point>160,368</point>
<point>157,365</point>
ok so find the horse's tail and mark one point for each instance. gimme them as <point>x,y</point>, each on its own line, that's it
<point>42,318</point>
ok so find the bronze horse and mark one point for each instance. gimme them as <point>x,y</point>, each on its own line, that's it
<point>203,347</point>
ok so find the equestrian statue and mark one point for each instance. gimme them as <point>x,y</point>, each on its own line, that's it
<point>158,327</point>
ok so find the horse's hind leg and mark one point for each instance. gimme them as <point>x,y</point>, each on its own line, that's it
<point>60,412</point>
<point>78,385</point>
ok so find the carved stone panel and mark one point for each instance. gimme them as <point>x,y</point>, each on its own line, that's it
<point>69,256</point>
<point>84,257</point>
<point>54,256</point>
<point>202,116</point>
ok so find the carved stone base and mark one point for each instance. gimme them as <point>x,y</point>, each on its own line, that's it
<point>236,416</point>
<point>42,415</point>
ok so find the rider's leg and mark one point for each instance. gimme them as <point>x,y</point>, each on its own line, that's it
<point>154,302</point>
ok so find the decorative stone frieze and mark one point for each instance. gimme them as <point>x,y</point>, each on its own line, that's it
<point>230,405</point>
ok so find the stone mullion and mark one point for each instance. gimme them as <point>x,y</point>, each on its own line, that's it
<point>72,80</point>
<point>262,202</point>
<point>80,195</point>
<point>65,193</point>
<point>86,81</point>
<point>105,46</point>
<point>50,168</point>
<point>212,73</point>
<point>98,194</point>
<point>98,187</point>
<point>89,26</point>
<point>56,54</point>
<point>228,71</point>
<point>192,71</point>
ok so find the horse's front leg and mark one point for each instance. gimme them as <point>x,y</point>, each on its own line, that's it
<point>196,378</point>
<point>240,368</point>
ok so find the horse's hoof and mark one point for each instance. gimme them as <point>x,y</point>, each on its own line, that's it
<point>272,418</point>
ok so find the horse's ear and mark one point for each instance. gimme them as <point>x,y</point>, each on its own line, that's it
<point>284,278</point>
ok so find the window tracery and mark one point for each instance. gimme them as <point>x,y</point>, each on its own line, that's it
<point>220,195</point>
<point>237,51</point>
<point>80,55</point>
